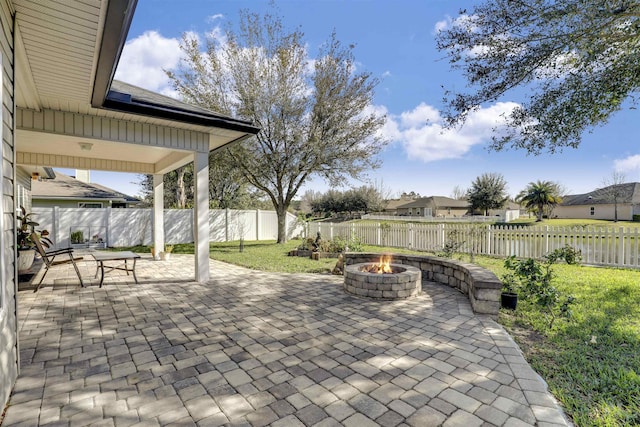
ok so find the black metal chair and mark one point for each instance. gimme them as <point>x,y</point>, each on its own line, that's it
<point>49,258</point>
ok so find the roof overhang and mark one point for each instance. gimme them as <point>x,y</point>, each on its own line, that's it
<point>66,57</point>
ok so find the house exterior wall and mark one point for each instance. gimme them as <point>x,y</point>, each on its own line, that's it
<point>23,189</point>
<point>600,211</point>
<point>8,307</point>
<point>444,212</point>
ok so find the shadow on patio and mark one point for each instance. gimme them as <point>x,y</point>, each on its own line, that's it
<point>254,348</point>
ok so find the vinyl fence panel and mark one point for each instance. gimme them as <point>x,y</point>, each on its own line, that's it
<point>131,227</point>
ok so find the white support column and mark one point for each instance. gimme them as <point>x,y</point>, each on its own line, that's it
<point>158,214</point>
<point>201,215</point>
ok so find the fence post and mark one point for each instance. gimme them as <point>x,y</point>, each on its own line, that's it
<point>257,224</point>
<point>226,225</point>
<point>55,223</point>
<point>620,261</point>
<point>410,239</point>
<point>441,237</point>
<point>107,234</point>
<point>489,248</point>
<point>379,239</point>
<point>546,239</point>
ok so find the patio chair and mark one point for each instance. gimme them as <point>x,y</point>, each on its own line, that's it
<point>49,258</point>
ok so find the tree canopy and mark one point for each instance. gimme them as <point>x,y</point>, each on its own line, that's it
<point>577,60</point>
<point>228,189</point>
<point>488,191</point>
<point>364,199</point>
<point>314,115</point>
<point>540,196</point>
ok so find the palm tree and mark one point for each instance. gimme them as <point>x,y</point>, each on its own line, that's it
<point>540,195</point>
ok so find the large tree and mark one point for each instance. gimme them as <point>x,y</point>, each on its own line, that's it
<point>314,115</point>
<point>540,197</point>
<point>576,59</point>
<point>227,187</point>
<point>614,191</point>
<point>488,191</point>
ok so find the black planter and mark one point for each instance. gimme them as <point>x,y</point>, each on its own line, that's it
<point>509,300</point>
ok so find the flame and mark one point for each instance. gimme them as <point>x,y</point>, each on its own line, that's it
<point>382,267</point>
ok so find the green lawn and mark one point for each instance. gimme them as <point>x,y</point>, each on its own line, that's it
<point>591,362</point>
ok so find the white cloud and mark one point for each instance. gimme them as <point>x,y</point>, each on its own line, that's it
<point>423,135</point>
<point>215,17</point>
<point>442,25</point>
<point>628,164</point>
<point>144,59</point>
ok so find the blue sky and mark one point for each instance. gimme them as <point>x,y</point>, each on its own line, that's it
<point>395,42</point>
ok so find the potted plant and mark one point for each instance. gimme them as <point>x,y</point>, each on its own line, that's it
<point>166,255</point>
<point>24,243</point>
<point>509,296</point>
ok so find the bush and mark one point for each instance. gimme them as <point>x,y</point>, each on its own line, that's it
<point>77,237</point>
<point>532,280</point>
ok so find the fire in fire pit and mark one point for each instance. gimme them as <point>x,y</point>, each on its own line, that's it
<point>382,267</point>
<point>382,280</point>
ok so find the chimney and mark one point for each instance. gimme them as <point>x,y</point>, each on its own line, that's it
<point>83,175</point>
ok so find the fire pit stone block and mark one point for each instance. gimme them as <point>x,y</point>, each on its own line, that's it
<point>480,285</point>
<point>406,282</point>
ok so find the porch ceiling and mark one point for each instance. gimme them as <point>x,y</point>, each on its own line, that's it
<point>66,53</point>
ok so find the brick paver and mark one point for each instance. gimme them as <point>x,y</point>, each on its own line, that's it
<point>256,349</point>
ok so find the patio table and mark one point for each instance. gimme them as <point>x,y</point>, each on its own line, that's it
<point>102,257</point>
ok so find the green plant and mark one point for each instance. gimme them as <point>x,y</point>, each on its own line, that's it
<point>534,281</point>
<point>451,245</point>
<point>341,244</point>
<point>307,244</point>
<point>168,248</point>
<point>77,237</point>
<point>26,228</point>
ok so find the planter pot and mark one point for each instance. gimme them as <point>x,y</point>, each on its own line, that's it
<point>165,256</point>
<point>25,259</point>
<point>509,300</point>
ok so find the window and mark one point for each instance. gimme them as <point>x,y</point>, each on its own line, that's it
<point>93,205</point>
<point>593,210</point>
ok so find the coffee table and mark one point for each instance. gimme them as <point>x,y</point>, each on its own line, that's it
<point>126,256</point>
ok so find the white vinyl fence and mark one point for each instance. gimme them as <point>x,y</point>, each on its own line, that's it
<point>129,227</point>
<point>617,247</point>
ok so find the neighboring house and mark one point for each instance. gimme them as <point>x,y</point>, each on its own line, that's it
<point>69,192</point>
<point>61,108</point>
<point>434,206</point>
<point>391,208</point>
<point>599,204</point>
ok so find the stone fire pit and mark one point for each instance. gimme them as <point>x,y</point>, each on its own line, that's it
<point>403,281</point>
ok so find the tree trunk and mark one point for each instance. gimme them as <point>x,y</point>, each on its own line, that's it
<point>182,191</point>
<point>281,212</point>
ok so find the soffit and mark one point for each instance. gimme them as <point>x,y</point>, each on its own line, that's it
<point>60,41</point>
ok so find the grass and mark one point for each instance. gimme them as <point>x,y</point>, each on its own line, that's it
<point>591,362</point>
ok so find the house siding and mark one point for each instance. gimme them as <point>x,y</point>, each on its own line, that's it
<point>601,211</point>
<point>8,317</point>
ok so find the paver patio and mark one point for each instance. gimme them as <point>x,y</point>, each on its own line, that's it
<point>255,349</point>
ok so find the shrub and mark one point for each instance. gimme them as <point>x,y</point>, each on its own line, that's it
<point>451,246</point>
<point>533,281</point>
<point>77,237</point>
